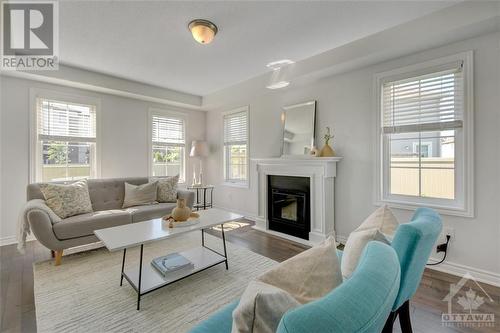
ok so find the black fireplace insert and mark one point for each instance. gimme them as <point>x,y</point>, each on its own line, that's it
<point>289,205</point>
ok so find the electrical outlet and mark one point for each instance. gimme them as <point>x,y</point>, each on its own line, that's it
<point>449,231</point>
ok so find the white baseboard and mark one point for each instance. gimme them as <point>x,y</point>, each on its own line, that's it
<point>460,270</point>
<point>340,239</point>
<point>13,240</point>
<point>456,269</point>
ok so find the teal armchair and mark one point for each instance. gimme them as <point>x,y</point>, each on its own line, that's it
<point>360,304</point>
<point>413,243</point>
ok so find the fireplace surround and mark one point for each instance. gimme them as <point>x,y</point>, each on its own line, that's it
<point>321,173</point>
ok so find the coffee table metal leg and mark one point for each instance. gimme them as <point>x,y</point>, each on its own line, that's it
<point>123,266</point>
<point>140,277</point>
<point>203,237</point>
<point>224,243</point>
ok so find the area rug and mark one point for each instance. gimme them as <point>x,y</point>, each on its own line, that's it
<point>84,295</point>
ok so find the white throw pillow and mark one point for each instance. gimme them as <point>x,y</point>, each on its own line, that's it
<point>137,195</point>
<point>309,275</point>
<point>380,225</point>
<point>260,308</point>
<point>301,279</point>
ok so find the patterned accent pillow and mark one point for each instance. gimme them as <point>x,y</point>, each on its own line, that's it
<point>167,188</point>
<point>67,199</point>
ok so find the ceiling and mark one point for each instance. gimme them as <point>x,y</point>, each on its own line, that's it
<point>149,41</point>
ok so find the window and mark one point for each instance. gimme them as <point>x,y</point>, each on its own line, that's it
<point>236,146</point>
<point>65,140</point>
<point>425,136</point>
<point>168,144</point>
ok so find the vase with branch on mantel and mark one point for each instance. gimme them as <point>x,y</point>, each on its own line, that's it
<point>327,150</point>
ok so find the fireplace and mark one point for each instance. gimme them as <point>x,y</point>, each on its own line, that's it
<point>289,205</point>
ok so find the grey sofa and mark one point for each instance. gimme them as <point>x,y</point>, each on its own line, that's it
<point>107,197</point>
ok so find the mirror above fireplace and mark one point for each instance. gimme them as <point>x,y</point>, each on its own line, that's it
<point>298,128</point>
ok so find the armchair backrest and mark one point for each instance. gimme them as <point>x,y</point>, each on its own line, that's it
<point>360,304</point>
<point>413,243</point>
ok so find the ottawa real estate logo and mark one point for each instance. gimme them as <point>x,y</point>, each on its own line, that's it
<point>30,35</point>
<point>466,301</point>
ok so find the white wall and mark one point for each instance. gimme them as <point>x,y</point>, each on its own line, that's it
<point>345,102</point>
<point>124,141</point>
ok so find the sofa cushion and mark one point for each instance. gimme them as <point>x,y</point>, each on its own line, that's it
<point>144,213</point>
<point>85,224</point>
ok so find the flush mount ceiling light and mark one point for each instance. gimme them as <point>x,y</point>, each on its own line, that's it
<point>278,85</point>
<point>203,31</point>
<point>278,64</point>
<point>281,69</point>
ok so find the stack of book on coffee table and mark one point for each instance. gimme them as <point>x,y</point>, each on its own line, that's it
<point>171,263</point>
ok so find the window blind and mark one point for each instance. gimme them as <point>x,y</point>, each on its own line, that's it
<point>236,128</point>
<point>60,121</point>
<point>168,131</point>
<point>430,102</point>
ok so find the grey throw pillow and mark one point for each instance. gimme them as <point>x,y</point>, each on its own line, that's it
<point>67,200</point>
<point>137,195</point>
<point>167,188</point>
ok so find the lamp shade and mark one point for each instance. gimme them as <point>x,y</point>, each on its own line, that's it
<point>199,148</point>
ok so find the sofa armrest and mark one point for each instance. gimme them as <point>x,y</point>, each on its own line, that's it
<point>41,227</point>
<point>188,195</point>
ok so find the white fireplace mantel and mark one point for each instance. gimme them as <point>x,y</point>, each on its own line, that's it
<point>322,172</point>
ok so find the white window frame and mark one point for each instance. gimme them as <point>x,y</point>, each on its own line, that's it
<point>170,114</point>
<point>228,182</point>
<point>463,205</point>
<point>34,149</point>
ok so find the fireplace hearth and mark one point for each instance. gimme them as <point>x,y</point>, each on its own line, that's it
<point>289,205</point>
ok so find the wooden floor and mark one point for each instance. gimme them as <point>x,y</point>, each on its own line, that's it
<point>17,307</point>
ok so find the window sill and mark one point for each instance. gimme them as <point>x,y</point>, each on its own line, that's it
<point>443,210</point>
<point>236,185</point>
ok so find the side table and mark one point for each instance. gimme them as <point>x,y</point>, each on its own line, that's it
<point>201,202</point>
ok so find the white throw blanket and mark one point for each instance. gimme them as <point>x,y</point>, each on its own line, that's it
<point>23,226</point>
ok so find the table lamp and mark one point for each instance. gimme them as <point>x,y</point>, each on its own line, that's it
<point>199,149</point>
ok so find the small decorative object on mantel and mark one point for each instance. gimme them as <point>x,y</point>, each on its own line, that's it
<point>327,151</point>
<point>181,214</point>
<point>314,151</point>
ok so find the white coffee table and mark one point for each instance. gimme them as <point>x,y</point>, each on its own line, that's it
<point>145,278</point>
